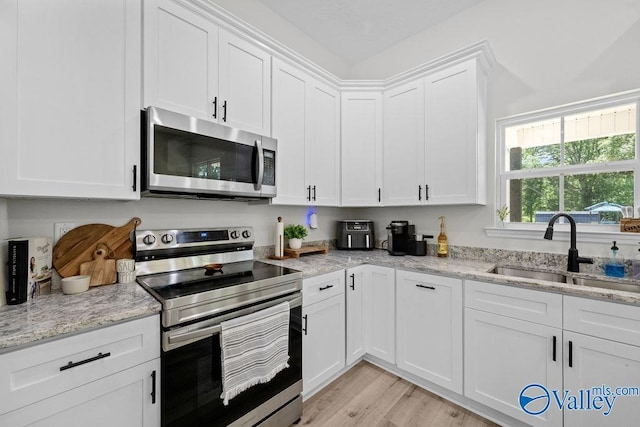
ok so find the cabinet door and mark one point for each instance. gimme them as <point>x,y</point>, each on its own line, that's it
<point>429,328</point>
<point>503,355</point>
<point>290,129</point>
<point>595,364</point>
<point>403,145</point>
<point>356,321</point>
<point>70,98</point>
<point>180,60</point>
<point>322,160</point>
<point>245,85</point>
<point>380,305</point>
<point>129,398</point>
<point>323,348</point>
<point>454,148</point>
<point>361,149</point>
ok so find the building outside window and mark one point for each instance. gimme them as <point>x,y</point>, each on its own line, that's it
<point>581,159</point>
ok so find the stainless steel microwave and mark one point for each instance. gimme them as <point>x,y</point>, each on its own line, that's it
<point>183,156</point>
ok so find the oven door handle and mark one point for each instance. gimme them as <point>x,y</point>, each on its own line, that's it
<point>178,339</point>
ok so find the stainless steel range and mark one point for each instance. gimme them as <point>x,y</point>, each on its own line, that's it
<point>203,277</point>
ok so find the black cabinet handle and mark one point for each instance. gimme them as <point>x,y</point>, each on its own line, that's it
<point>353,282</point>
<point>570,354</point>
<point>420,285</point>
<point>304,329</point>
<point>379,195</point>
<point>554,348</point>
<point>419,192</point>
<point>224,111</point>
<point>215,107</point>
<point>134,187</point>
<point>82,362</point>
<point>309,193</point>
<point>153,387</point>
<point>314,193</point>
<point>426,192</point>
<point>324,288</point>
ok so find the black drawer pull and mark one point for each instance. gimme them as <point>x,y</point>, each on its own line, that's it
<point>570,354</point>
<point>353,282</point>
<point>419,285</point>
<point>554,348</point>
<point>324,288</point>
<point>153,387</point>
<point>305,324</point>
<point>215,107</point>
<point>82,362</point>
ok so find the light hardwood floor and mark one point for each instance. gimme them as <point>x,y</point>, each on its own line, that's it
<point>370,396</point>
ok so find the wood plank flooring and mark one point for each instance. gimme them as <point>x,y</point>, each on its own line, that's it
<point>370,396</point>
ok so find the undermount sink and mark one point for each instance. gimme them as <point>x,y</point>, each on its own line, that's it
<point>530,274</point>
<point>606,284</point>
<point>570,278</point>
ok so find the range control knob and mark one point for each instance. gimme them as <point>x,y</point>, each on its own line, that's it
<point>167,238</point>
<point>246,234</point>
<point>149,239</point>
<point>234,234</point>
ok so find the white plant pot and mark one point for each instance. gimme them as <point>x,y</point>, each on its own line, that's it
<point>295,243</point>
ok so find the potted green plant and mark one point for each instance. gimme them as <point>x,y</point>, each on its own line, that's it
<point>295,233</point>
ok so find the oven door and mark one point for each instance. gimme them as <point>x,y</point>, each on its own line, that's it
<point>191,375</point>
<point>188,155</point>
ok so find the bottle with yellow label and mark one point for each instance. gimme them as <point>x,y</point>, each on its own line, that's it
<point>443,248</point>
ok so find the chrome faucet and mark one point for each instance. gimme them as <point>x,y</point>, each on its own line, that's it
<point>574,260</point>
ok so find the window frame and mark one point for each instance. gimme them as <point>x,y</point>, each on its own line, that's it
<point>597,232</point>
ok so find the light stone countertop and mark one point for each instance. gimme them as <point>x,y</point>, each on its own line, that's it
<point>314,265</point>
<point>53,315</point>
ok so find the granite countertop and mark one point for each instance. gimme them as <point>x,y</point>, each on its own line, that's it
<point>313,265</point>
<point>55,314</point>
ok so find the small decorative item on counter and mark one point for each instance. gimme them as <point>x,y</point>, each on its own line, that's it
<point>635,267</point>
<point>126,276</point>
<point>295,233</point>
<point>502,214</point>
<point>443,247</point>
<point>615,267</point>
<point>630,225</point>
<point>29,268</point>
<point>125,265</point>
<point>75,284</point>
<point>102,269</point>
<point>279,238</point>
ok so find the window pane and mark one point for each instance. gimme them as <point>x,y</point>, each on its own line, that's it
<point>533,199</point>
<point>600,194</point>
<point>533,146</point>
<point>601,150</point>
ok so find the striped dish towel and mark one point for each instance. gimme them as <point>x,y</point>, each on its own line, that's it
<point>255,348</point>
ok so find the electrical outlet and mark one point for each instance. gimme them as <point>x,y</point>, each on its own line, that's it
<point>62,228</point>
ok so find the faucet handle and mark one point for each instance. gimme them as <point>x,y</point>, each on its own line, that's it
<point>584,260</point>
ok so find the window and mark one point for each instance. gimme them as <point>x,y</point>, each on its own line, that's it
<point>581,159</point>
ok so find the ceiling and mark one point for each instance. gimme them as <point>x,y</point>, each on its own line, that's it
<point>358,29</point>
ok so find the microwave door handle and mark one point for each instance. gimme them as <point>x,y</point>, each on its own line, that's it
<point>259,164</point>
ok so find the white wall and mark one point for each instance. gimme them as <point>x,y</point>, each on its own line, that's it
<point>548,53</point>
<point>31,217</point>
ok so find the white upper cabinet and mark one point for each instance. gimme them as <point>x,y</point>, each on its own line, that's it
<point>195,68</point>
<point>361,148</point>
<point>455,145</point>
<point>435,139</point>
<point>70,80</point>
<point>180,60</point>
<point>306,123</point>
<point>403,145</point>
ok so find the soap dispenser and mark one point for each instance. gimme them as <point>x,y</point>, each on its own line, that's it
<point>635,266</point>
<point>615,267</point>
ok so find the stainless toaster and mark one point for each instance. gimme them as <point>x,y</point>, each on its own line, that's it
<point>355,234</point>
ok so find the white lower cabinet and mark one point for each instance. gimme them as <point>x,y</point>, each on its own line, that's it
<point>429,327</point>
<point>370,295</point>
<point>323,329</point>
<point>104,377</point>
<point>124,399</point>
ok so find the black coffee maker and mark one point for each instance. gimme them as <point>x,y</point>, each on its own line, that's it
<point>403,240</point>
<point>398,237</point>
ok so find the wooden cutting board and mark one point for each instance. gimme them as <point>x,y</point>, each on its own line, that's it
<point>102,270</point>
<point>78,245</point>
